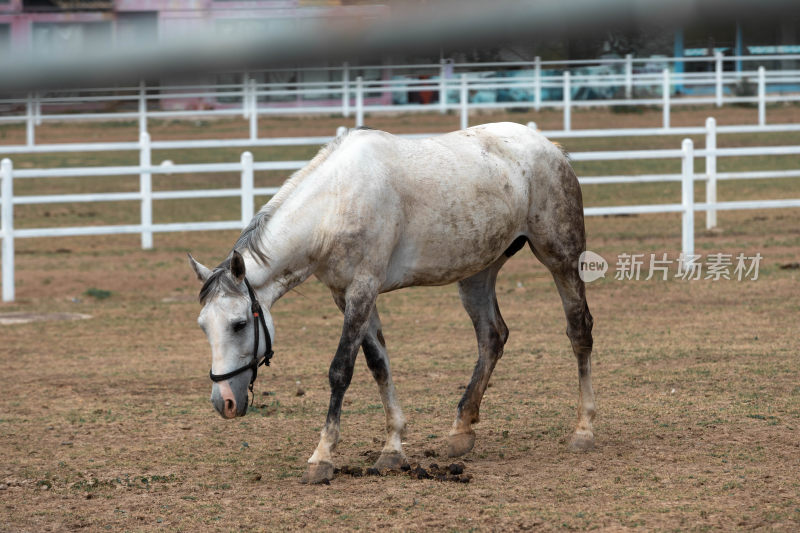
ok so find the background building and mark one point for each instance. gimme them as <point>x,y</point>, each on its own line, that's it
<point>53,27</point>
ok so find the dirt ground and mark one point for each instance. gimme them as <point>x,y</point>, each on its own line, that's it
<point>105,422</point>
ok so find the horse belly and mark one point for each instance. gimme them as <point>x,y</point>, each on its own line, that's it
<point>456,238</point>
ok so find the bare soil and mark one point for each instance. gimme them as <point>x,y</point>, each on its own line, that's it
<point>105,423</point>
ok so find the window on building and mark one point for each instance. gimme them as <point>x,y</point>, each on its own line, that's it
<point>5,38</point>
<point>69,38</point>
<point>136,28</point>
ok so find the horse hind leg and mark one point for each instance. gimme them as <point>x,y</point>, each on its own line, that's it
<point>579,331</point>
<point>479,299</point>
<point>374,347</point>
<point>562,261</point>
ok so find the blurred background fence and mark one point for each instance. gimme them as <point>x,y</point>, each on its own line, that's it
<point>448,86</point>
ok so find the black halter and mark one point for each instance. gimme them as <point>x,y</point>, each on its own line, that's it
<point>258,319</point>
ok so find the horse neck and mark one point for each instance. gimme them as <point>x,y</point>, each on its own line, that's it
<point>290,248</point>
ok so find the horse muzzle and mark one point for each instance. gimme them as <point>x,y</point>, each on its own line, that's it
<point>229,397</point>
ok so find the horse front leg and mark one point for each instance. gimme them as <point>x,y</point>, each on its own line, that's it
<point>374,346</point>
<point>359,300</point>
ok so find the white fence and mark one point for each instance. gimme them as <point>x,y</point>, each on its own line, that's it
<point>453,89</point>
<point>246,167</point>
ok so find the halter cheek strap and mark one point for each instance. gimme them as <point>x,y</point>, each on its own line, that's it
<point>258,319</point>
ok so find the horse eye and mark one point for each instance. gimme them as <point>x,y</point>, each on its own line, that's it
<point>239,326</point>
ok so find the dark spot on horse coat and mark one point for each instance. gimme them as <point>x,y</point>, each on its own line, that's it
<point>290,278</point>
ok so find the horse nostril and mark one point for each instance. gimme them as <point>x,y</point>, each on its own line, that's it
<point>224,400</point>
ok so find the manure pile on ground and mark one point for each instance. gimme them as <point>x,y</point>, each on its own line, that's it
<point>453,472</point>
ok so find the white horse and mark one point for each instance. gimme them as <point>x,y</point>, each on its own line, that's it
<point>372,213</point>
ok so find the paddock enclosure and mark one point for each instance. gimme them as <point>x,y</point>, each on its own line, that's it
<point>105,422</point>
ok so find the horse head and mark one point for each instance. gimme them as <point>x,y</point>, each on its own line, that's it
<point>233,322</point>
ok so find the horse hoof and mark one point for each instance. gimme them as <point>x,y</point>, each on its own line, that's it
<point>318,473</point>
<point>390,461</point>
<point>460,443</point>
<point>581,442</point>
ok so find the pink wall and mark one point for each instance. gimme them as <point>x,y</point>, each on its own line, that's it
<point>176,16</point>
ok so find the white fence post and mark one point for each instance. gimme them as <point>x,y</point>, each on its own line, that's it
<point>7,227</point>
<point>245,95</point>
<point>253,110</point>
<point>762,95</point>
<point>146,190</point>
<point>30,125</point>
<point>442,87</point>
<point>666,86</point>
<point>142,107</point>
<point>628,76</point>
<point>346,89</point>
<point>567,102</point>
<point>687,197</point>
<point>711,172</point>
<point>247,188</point>
<point>464,100</point>
<point>718,77</point>
<point>537,83</point>
<point>37,108</point>
<point>359,102</point>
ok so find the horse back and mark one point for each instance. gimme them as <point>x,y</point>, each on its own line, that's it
<point>443,208</point>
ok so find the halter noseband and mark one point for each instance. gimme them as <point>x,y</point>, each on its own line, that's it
<point>258,319</point>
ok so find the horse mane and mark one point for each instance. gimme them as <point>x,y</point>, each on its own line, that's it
<point>220,278</point>
<point>250,238</point>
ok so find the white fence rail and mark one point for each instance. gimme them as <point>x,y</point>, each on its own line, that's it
<point>710,130</point>
<point>453,89</point>
<point>247,192</point>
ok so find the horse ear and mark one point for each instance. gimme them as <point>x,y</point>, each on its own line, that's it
<point>202,272</point>
<point>237,267</point>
